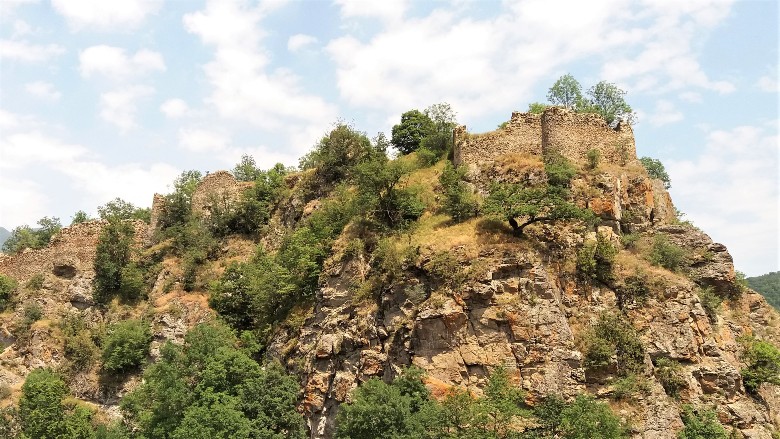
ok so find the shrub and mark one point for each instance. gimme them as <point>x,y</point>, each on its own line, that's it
<point>700,424</point>
<point>40,406</point>
<point>537,107</point>
<point>710,301</point>
<point>633,290</point>
<point>119,209</point>
<point>587,418</point>
<point>629,387</point>
<point>126,345</point>
<point>459,201</point>
<point>336,154</point>
<point>445,268</point>
<point>79,217</point>
<point>132,285</point>
<point>111,256</point>
<point>629,240</point>
<point>656,170</point>
<point>559,169</point>
<point>36,282</point>
<point>762,364</point>
<point>667,254</point>
<point>669,374</point>
<point>32,313</point>
<point>594,157</point>
<point>381,196</point>
<point>613,336</point>
<point>23,237</point>
<point>595,259</point>
<point>7,288</point>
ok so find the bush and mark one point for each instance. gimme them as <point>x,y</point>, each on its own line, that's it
<point>537,107</point>
<point>710,301</point>
<point>36,282</point>
<point>381,196</point>
<point>32,313</point>
<point>762,361</point>
<point>594,157</point>
<point>459,201</point>
<point>132,286</point>
<point>595,260</point>
<point>667,254</point>
<point>629,387</point>
<point>111,256</point>
<point>336,154</point>
<point>40,406</point>
<point>656,170</point>
<point>24,237</point>
<point>7,288</point>
<point>613,336</point>
<point>559,170</point>
<point>669,374</point>
<point>119,209</point>
<point>700,424</point>
<point>633,290</point>
<point>126,345</point>
<point>587,418</point>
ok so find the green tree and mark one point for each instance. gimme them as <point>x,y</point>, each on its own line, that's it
<point>537,108</point>
<point>566,92</point>
<point>763,364</point>
<point>7,288</point>
<point>79,217</point>
<point>612,336</point>
<point>378,410</point>
<point>177,208</point>
<point>607,100</point>
<point>214,416</point>
<point>559,170</point>
<point>21,237</point>
<point>381,195</point>
<point>246,169</point>
<point>126,345</point>
<point>459,201</point>
<point>414,127</point>
<point>40,405</point>
<point>595,260</point>
<point>656,170</point>
<point>111,256</point>
<point>48,228</point>
<point>336,154</point>
<point>530,205</point>
<point>700,424</point>
<point>119,209</point>
<point>587,418</point>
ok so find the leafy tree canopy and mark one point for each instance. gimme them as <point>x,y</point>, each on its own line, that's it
<point>119,209</point>
<point>414,127</point>
<point>566,92</point>
<point>656,169</point>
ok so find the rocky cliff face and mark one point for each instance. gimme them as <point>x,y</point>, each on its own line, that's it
<point>520,303</point>
<point>459,300</point>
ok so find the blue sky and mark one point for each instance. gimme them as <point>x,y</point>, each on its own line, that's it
<point>106,99</point>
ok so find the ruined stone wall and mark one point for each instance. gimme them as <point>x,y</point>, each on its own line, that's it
<point>220,185</point>
<point>158,204</point>
<point>556,130</point>
<point>71,249</point>
<point>574,134</point>
<point>522,134</point>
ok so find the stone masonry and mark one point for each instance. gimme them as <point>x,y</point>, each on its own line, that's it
<point>556,130</point>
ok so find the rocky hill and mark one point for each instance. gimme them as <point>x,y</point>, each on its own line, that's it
<point>606,294</point>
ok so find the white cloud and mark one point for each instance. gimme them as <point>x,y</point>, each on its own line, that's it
<point>480,64</point>
<point>28,52</point>
<point>22,201</point>
<point>243,87</point>
<point>731,190</point>
<point>22,149</point>
<point>21,28</point>
<point>299,41</point>
<point>768,83</point>
<point>43,90</point>
<point>390,10</point>
<point>112,62</point>
<point>106,15</point>
<point>664,114</point>
<point>119,107</point>
<point>200,140</point>
<point>174,108</point>
<point>691,96</point>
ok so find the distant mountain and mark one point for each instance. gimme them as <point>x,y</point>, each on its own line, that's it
<point>4,234</point>
<point>769,287</point>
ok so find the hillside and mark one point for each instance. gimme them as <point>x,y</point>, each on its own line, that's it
<point>768,285</point>
<point>533,281</point>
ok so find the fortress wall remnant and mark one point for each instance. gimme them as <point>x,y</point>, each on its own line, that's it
<point>220,185</point>
<point>574,134</point>
<point>72,246</point>
<point>522,134</point>
<point>556,130</point>
<point>158,204</point>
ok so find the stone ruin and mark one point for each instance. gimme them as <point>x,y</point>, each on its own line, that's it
<point>557,130</point>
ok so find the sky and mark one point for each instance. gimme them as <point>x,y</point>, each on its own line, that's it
<point>103,99</point>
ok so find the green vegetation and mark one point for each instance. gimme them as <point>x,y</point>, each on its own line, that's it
<point>79,217</point>
<point>44,415</point>
<point>80,347</point>
<point>667,254</point>
<point>594,158</point>
<point>669,374</point>
<point>212,388</point>
<point>595,260</point>
<point>7,288</point>
<point>656,170</point>
<point>612,341</point>
<point>111,257</point>
<point>429,132</point>
<point>537,107</point>
<point>126,345</point>
<point>559,170</point>
<point>119,209</point>
<point>24,237</point>
<point>633,290</point>
<point>604,99</point>
<point>380,195</point>
<point>768,285</point>
<point>405,409</point>
<point>460,202</point>
<point>762,360</point>
<point>535,204</point>
<point>701,424</point>
<point>710,301</point>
